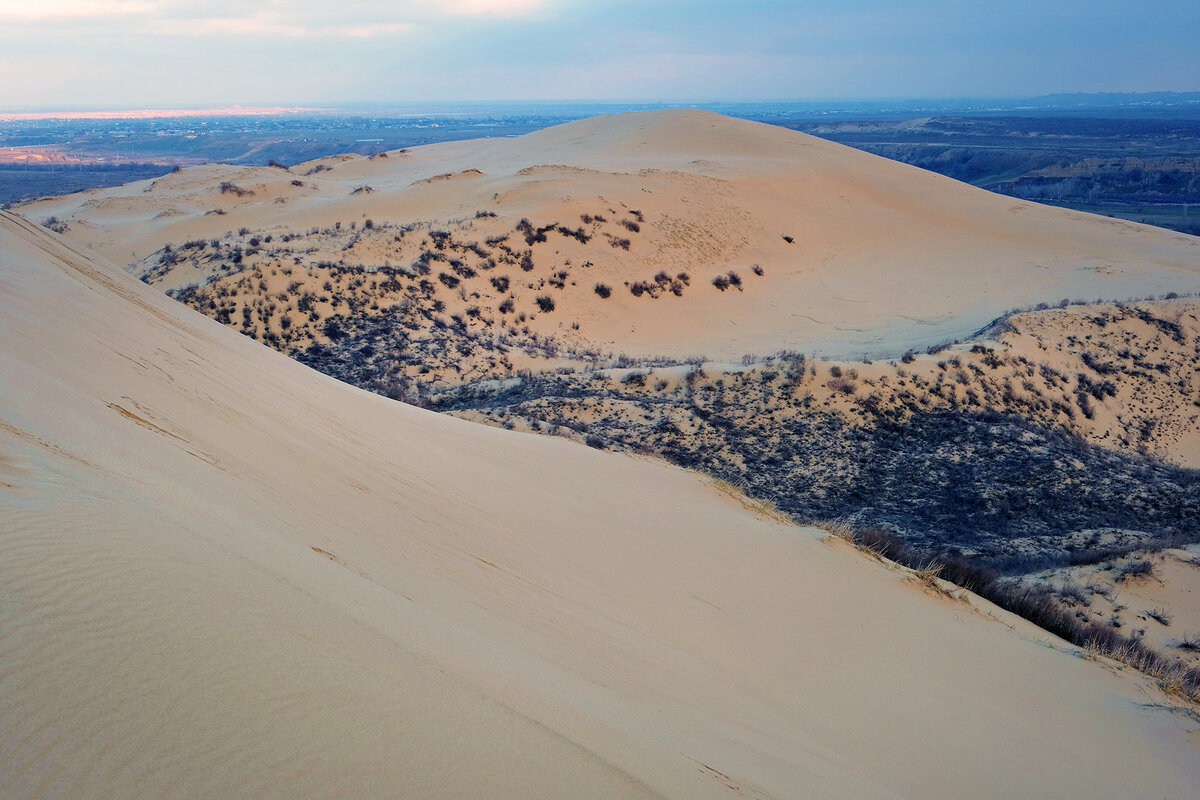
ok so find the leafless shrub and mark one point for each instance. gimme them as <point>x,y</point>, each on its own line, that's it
<point>227,187</point>
<point>1160,616</point>
<point>1136,568</point>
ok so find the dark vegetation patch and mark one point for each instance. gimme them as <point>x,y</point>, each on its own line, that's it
<point>993,487</point>
<point>1040,605</point>
<point>921,456</point>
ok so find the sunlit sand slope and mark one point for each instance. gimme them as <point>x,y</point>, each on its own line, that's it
<point>859,254</point>
<point>224,575</point>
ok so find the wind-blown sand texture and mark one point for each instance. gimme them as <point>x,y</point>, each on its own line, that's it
<point>225,575</point>
<point>861,255</point>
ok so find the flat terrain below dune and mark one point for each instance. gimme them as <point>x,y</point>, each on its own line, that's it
<point>855,254</point>
<point>225,575</point>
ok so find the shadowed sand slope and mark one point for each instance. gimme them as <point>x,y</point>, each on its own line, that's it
<point>860,255</point>
<point>224,575</point>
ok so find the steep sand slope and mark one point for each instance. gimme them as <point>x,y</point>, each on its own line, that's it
<point>223,575</point>
<point>881,257</point>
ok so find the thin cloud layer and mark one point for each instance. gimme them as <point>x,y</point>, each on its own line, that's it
<point>272,18</point>
<point>35,10</point>
<point>296,52</point>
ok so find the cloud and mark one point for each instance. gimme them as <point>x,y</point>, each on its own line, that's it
<point>37,10</point>
<point>264,26</point>
<point>372,30</point>
<point>489,8</point>
<point>282,18</point>
<point>228,26</point>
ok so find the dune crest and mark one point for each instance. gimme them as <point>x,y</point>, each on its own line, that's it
<point>863,256</point>
<point>227,575</point>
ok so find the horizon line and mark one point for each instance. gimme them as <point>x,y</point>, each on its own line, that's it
<point>176,110</point>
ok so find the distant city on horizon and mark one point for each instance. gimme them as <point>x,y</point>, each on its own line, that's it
<point>1070,102</point>
<point>1068,149</point>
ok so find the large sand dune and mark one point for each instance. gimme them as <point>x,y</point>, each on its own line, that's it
<point>882,256</point>
<point>224,575</point>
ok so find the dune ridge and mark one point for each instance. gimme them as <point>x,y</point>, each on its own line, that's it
<point>861,255</point>
<point>225,574</point>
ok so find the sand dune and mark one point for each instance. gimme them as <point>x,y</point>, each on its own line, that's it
<point>225,575</point>
<point>879,256</point>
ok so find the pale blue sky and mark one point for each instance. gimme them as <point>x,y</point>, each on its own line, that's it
<point>188,52</point>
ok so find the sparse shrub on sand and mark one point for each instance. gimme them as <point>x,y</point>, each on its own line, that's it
<point>639,288</point>
<point>603,289</point>
<point>634,379</point>
<point>1136,568</point>
<point>1160,616</point>
<point>841,385</point>
<point>534,235</point>
<point>545,302</point>
<point>1035,603</point>
<point>227,187</point>
<point>727,280</point>
<point>578,233</point>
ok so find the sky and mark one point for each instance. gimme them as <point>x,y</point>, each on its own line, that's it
<point>155,53</point>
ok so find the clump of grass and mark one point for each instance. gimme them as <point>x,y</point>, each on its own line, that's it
<point>1160,616</point>
<point>1034,603</point>
<point>1190,641</point>
<point>227,187</point>
<point>929,576</point>
<point>764,508</point>
<point>1074,595</point>
<point>1136,568</point>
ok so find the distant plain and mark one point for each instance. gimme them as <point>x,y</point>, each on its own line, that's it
<point>1131,157</point>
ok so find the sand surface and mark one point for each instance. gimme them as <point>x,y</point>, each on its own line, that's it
<point>882,256</point>
<point>224,575</point>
